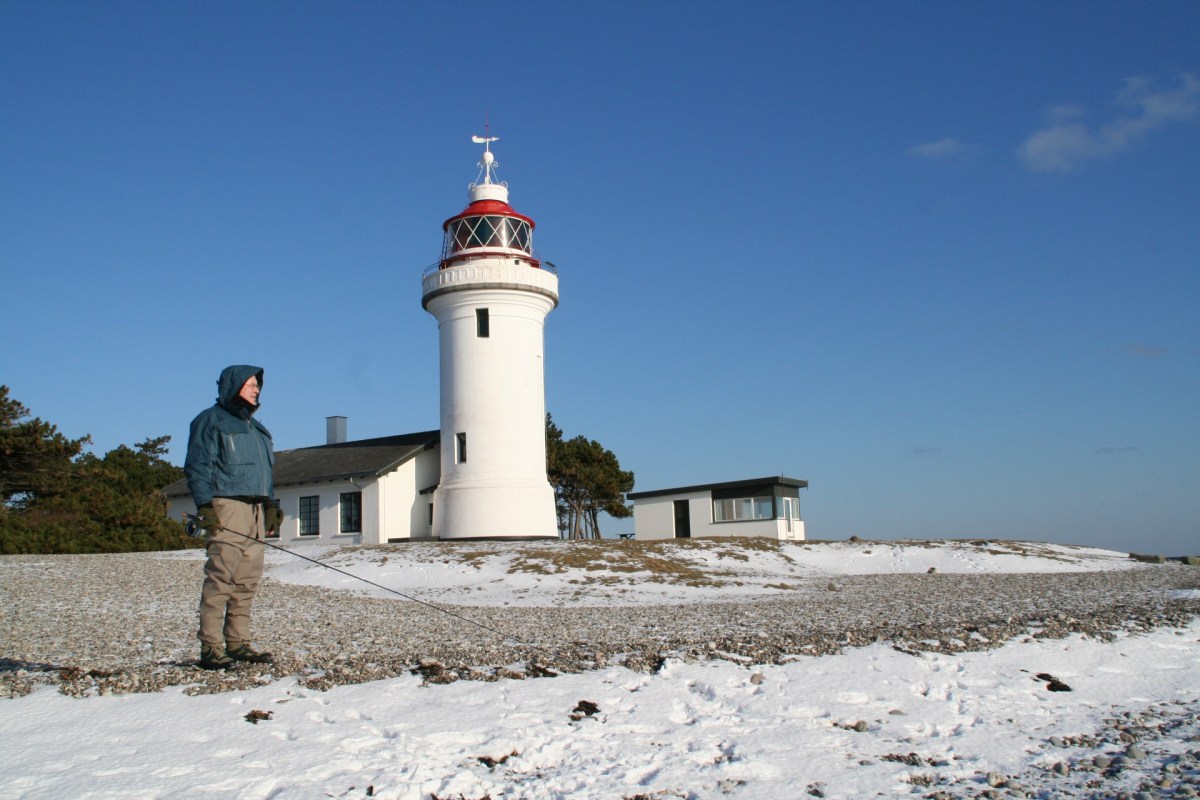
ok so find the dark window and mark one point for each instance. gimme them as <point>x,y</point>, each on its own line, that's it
<point>310,516</point>
<point>482,323</point>
<point>462,235</point>
<point>484,233</point>
<point>460,448</point>
<point>351,512</point>
<point>521,240</point>
<point>488,232</point>
<point>741,508</point>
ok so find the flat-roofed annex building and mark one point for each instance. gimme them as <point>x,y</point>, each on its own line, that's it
<point>754,507</point>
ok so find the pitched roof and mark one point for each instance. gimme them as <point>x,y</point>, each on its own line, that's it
<point>359,459</point>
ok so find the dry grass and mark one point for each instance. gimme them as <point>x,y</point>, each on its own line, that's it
<point>604,557</point>
<point>669,561</point>
<point>687,562</point>
<point>699,562</point>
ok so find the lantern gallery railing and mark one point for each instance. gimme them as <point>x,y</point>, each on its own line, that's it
<point>515,274</point>
<point>505,259</point>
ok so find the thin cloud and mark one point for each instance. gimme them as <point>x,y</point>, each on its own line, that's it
<point>1145,350</point>
<point>948,147</point>
<point>1116,451</point>
<point>926,451</point>
<point>1067,140</point>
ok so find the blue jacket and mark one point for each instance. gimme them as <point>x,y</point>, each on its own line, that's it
<point>229,454</point>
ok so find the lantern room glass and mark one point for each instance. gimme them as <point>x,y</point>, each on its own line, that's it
<point>488,232</point>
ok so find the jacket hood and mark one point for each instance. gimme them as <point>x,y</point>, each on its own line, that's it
<point>232,380</point>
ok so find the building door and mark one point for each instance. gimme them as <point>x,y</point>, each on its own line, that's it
<point>791,513</point>
<point>683,520</point>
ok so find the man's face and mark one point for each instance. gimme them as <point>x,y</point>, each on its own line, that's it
<point>249,391</point>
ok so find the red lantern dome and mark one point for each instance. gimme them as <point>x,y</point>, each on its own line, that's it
<point>488,226</point>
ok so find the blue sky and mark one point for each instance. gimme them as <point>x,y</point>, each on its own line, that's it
<point>942,260</point>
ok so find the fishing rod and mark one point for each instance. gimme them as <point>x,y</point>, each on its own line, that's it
<point>192,527</point>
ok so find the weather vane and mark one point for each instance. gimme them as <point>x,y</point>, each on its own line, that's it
<point>489,163</point>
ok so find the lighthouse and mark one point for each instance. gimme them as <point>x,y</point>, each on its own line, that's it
<point>491,297</point>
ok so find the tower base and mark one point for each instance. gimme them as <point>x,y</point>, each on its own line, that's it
<point>506,512</point>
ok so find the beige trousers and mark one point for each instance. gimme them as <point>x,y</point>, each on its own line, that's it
<point>232,572</point>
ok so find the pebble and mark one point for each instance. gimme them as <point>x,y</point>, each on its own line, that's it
<point>61,611</point>
<point>60,614</point>
<point>1096,769</point>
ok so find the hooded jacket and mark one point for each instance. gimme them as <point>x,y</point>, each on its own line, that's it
<point>230,454</point>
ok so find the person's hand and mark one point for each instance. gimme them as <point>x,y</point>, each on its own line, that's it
<point>206,517</point>
<point>273,517</point>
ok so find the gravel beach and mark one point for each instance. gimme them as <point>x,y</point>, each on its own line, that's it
<point>126,623</point>
<point>117,624</point>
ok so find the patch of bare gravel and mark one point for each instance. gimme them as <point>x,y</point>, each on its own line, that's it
<point>127,623</point>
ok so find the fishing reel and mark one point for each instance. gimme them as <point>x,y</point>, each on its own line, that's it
<point>191,526</point>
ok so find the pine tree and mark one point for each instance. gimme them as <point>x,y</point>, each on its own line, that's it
<point>57,500</point>
<point>35,459</point>
<point>587,480</point>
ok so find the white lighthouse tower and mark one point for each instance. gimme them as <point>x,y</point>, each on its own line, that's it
<point>491,297</point>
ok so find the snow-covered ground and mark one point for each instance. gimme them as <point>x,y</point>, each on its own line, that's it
<point>630,573</point>
<point>873,721</point>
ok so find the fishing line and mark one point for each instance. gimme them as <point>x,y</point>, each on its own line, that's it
<point>193,528</point>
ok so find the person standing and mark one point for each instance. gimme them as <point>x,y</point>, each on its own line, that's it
<point>228,469</point>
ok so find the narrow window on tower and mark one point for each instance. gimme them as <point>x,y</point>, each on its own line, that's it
<point>482,324</point>
<point>460,448</point>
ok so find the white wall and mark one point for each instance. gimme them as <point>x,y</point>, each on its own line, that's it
<point>329,519</point>
<point>654,518</point>
<point>392,506</point>
<point>403,510</point>
<point>493,391</point>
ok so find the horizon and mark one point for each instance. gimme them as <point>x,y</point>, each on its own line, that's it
<point>939,262</point>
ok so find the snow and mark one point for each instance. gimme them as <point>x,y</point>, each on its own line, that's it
<point>692,730</point>
<point>482,574</point>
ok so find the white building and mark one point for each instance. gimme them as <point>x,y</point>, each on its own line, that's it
<point>757,507</point>
<point>370,491</point>
<point>483,474</point>
<point>491,297</point>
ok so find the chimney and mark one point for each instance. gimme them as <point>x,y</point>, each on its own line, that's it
<point>335,430</point>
